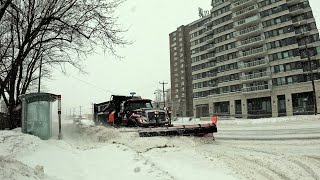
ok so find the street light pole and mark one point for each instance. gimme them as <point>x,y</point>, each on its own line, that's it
<point>311,70</point>
<point>312,79</point>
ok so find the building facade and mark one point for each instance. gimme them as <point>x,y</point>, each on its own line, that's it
<point>180,70</point>
<point>251,59</point>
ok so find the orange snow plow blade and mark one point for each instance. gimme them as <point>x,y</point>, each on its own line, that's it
<point>182,130</point>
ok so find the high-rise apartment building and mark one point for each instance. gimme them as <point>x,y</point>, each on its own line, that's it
<point>180,67</point>
<point>251,59</point>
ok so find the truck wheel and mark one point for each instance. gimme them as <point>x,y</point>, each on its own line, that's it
<point>131,122</point>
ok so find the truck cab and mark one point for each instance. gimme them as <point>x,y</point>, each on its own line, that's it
<point>132,111</point>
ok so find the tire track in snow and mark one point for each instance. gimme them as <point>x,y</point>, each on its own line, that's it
<point>314,158</point>
<point>266,167</point>
<point>290,160</point>
<point>272,163</point>
<point>260,162</point>
<point>242,166</point>
<point>307,168</point>
<point>247,169</point>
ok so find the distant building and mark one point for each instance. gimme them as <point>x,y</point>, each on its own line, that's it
<point>250,59</point>
<point>180,70</point>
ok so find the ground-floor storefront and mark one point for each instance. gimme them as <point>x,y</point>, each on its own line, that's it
<point>280,101</point>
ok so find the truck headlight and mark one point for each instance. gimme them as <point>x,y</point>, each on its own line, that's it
<point>143,119</point>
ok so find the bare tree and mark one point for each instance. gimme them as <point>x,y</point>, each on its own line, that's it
<point>54,31</point>
<point>4,4</point>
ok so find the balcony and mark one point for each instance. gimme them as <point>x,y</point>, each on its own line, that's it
<point>247,11</point>
<point>251,89</point>
<point>251,42</point>
<point>300,20</point>
<point>255,64</point>
<point>210,48</point>
<point>304,31</point>
<point>252,53</point>
<point>249,21</point>
<point>299,8</point>
<point>213,84</point>
<point>208,30</point>
<point>210,39</point>
<point>237,5</point>
<point>292,2</point>
<point>249,31</point>
<point>209,23</point>
<point>256,76</point>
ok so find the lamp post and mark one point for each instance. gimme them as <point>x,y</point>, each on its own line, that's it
<point>310,68</point>
<point>312,79</point>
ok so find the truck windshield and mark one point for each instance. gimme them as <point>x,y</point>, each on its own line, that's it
<point>140,105</point>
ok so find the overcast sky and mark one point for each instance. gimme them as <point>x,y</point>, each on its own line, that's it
<point>145,62</point>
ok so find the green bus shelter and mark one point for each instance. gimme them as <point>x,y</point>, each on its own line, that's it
<point>37,114</point>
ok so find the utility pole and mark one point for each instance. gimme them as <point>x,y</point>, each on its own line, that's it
<point>158,97</point>
<point>164,96</point>
<point>80,111</point>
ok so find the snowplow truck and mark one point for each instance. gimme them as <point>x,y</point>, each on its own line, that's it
<point>132,111</point>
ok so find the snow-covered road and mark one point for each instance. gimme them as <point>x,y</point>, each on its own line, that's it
<point>280,148</point>
<point>286,128</point>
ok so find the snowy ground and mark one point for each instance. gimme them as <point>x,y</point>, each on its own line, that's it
<point>275,148</point>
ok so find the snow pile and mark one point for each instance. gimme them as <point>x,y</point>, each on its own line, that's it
<point>14,143</point>
<point>27,157</point>
<point>185,119</point>
<point>130,138</point>
<point>11,169</point>
<point>87,122</point>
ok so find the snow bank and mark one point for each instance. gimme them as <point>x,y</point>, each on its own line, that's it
<point>25,156</point>
<point>185,119</point>
<point>14,143</point>
<point>11,169</point>
<point>87,122</point>
<point>130,138</point>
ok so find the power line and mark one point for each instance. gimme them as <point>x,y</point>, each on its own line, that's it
<point>90,84</point>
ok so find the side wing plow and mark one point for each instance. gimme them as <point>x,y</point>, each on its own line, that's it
<point>182,130</point>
